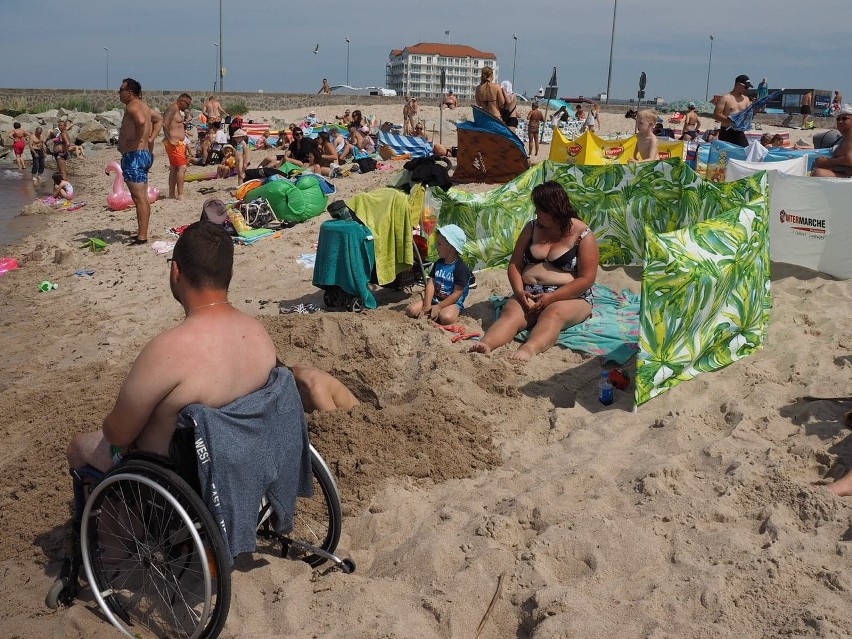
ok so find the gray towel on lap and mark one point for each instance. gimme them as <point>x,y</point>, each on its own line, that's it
<point>256,445</point>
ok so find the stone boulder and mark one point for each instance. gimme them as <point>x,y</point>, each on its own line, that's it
<point>92,132</point>
<point>110,119</point>
<point>6,119</point>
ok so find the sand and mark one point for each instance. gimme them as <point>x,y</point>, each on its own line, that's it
<point>700,515</point>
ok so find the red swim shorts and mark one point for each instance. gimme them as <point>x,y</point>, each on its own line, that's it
<point>176,152</point>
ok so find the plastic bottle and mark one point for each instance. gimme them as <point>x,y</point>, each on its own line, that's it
<point>605,392</point>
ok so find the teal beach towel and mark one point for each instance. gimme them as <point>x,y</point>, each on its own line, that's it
<point>346,258</point>
<point>612,331</point>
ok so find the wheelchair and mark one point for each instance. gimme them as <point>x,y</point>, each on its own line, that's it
<point>154,557</point>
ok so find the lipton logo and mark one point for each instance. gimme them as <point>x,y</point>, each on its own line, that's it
<point>574,150</point>
<point>613,151</point>
<point>665,155</point>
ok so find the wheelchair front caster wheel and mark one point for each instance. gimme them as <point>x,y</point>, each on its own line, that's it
<point>61,593</point>
<point>347,566</point>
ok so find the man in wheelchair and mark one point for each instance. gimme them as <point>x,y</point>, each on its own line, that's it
<point>144,532</point>
<point>216,355</point>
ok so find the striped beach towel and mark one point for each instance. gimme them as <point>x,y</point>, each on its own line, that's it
<point>400,144</point>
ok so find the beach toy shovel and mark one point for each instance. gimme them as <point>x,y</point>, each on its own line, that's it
<point>46,286</point>
<point>95,244</point>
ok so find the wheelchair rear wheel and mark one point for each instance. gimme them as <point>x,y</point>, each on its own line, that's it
<point>318,519</point>
<point>154,557</point>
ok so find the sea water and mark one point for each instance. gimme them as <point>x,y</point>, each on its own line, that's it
<point>16,191</point>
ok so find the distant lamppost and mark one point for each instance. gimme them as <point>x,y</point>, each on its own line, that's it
<point>709,62</point>
<point>611,46</point>
<point>107,67</point>
<point>514,58</point>
<point>347,61</point>
<point>215,66</point>
<point>219,49</point>
<point>447,33</point>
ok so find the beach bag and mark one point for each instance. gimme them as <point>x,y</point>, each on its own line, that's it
<point>365,165</point>
<point>257,213</point>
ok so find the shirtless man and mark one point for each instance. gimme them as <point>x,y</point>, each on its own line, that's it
<point>840,162</point>
<point>733,102</point>
<point>214,111</point>
<point>140,126</point>
<point>451,101</point>
<point>174,139</point>
<point>188,363</point>
<point>806,108</point>
<point>37,148</point>
<point>690,123</point>
<point>409,116</point>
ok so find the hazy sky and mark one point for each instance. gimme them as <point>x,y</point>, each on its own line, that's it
<point>269,44</point>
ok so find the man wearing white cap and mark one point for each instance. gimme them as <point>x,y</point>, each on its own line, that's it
<point>840,163</point>
<point>729,104</point>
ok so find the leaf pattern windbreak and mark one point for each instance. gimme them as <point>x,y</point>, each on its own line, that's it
<point>705,298</point>
<point>617,201</point>
<point>705,246</point>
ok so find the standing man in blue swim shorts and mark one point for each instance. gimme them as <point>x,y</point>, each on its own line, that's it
<point>140,126</point>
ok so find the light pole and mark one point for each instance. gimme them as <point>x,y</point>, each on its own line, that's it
<point>219,51</point>
<point>347,61</point>
<point>215,66</point>
<point>611,46</point>
<point>709,62</point>
<point>514,59</point>
<point>107,61</point>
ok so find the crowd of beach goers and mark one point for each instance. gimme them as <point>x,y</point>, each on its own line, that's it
<point>702,514</point>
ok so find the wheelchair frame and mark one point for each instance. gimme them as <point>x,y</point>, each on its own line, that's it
<point>169,574</point>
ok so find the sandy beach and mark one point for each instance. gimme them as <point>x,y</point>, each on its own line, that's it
<point>702,515</point>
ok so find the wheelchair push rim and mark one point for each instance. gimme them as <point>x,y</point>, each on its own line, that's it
<point>152,556</point>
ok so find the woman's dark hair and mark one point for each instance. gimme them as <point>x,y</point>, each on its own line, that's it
<point>204,253</point>
<point>356,115</point>
<point>552,199</point>
<point>323,135</point>
<point>57,178</point>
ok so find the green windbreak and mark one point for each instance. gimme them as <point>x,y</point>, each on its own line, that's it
<point>617,201</point>
<point>705,298</point>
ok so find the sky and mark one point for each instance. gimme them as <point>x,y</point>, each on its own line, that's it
<point>268,45</point>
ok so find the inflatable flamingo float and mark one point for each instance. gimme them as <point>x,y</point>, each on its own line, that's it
<point>120,198</point>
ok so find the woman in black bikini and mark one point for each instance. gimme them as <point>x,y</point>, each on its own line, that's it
<point>489,95</point>
<point>552,270</point>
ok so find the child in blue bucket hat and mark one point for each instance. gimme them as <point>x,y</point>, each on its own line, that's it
<point>449,281</point>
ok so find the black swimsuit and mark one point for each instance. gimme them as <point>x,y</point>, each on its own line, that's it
<point>566,262</point>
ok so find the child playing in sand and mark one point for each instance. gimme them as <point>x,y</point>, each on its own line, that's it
<point>262,141</point>
<point>62,189</point>
<point>229,161</point>
<point>646,142</point>
<point>449,281</point>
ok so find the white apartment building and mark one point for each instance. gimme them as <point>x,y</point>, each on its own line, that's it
<point>416,70</point>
